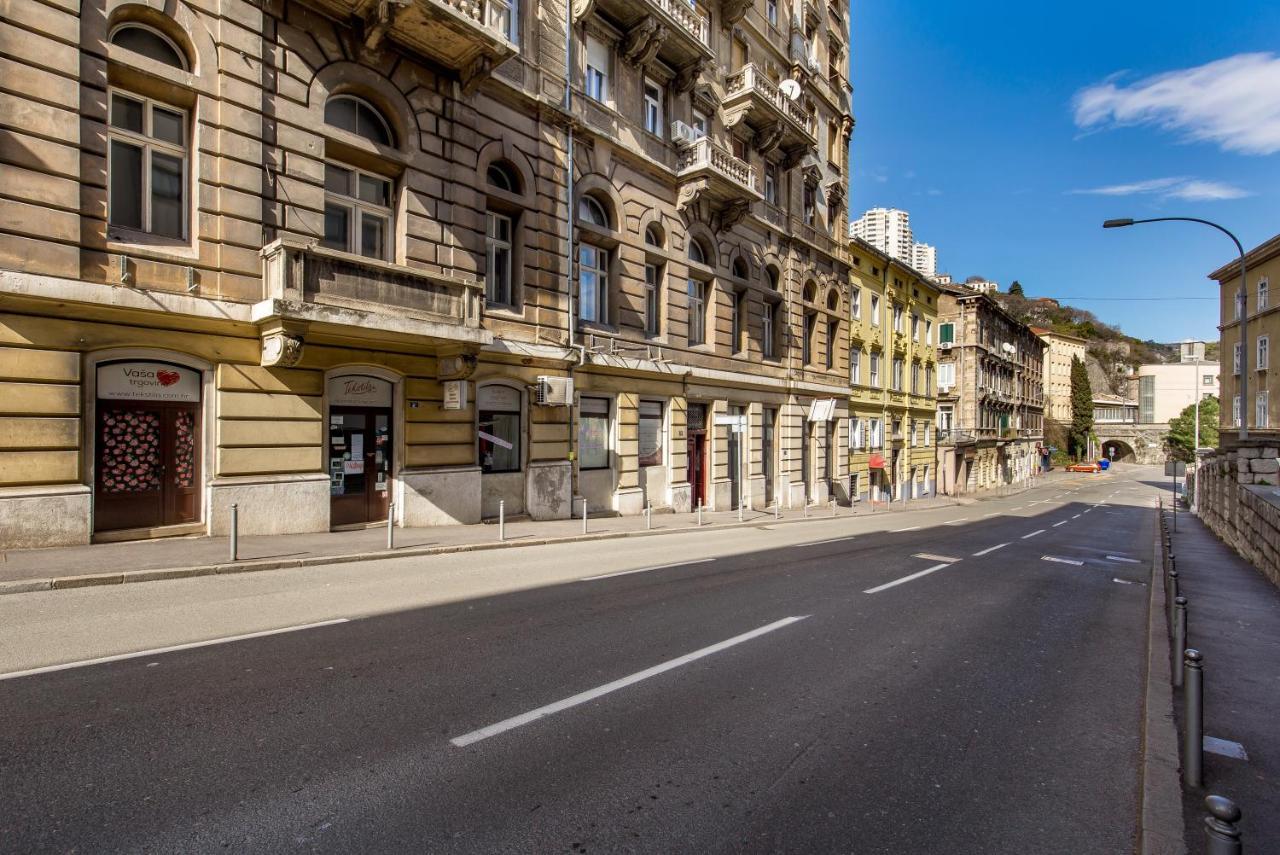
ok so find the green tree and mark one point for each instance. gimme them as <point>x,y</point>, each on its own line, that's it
<point>1016,289</point>
<point>1081,409</point>
<point>1182,430</point>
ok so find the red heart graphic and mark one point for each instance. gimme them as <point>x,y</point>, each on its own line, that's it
<point>168,378</point>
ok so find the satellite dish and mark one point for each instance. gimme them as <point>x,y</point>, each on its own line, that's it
<point>790,88</point>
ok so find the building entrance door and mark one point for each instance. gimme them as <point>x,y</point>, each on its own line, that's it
<point>360,444</point>
<point>697,448</point>
<point>806,459</point>
<point>770,419</point>
<point>147,442</point>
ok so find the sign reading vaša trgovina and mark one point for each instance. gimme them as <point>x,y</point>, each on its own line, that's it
<point>148,381</point>
<point>359,391</point>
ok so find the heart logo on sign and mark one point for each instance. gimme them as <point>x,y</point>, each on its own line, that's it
<point>168,378</point>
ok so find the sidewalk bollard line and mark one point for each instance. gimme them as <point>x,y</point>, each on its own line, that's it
<point>699,514</point>
<point>1193,720</point>
<point>584,514</point>
<point>833,508</point>
<point>235,532</point>
<point>391,526</point>
<point>502,520</point>
<point>648,516</point>
<point>739,509</point>
<point>1220,827</point>
<point>1172,594</point>
<point>1179,638</point>
<point>776,509</point>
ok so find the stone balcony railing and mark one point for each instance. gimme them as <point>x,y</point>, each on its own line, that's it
<point>765,101</point>
<point>671,30</point>
<point>687,18</point>
<point>704,158</point>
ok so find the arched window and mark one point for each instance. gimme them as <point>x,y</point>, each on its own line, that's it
<point>654,278</point>
<point>591,211</point>
<point>697,253</point>
<point>833,300</point>
<point>359,117</point>
<point>653,235</point>
<point>358,215</point>
<point>810,294</point>
<point>740,268</point>
<point>502,176</point>
<point>771,274</point>
<point>150,43</point>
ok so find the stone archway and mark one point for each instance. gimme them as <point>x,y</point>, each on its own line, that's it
<point>1124,452</point>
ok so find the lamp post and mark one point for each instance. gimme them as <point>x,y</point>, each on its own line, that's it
<point>1242,304</point>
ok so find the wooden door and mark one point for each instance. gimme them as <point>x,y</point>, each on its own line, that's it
<point>147,464</point>
<point>360,451</point>
<point>697,471</point>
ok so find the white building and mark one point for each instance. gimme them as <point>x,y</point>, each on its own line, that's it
<point>982,286</point>
<point>924,258</point>
<point>888,230</point>
<point>1166,389</point>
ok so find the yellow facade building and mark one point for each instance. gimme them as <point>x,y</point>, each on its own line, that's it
<point>1253,357</point>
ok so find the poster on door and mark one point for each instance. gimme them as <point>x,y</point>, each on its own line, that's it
<point>148,381</point>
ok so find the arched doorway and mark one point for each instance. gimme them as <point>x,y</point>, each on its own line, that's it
<point>361,447</point>
<point>1118,451</point>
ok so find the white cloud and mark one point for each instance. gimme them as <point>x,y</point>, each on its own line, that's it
<point>1233,102</point>
<point>1174,187</point>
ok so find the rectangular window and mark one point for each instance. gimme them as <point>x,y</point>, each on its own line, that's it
<point>855,433</point>
<point>1264,293</point>
<point>771,12</point>
<point>503,18</point>
<point>766,330</point>
<point>946,333</point>
<point>875,310</point>
<point>357,212</point>
<point>898,318</point>
<point>806,341</point>
<point>147,166</point>
<point>652,299</point>
<point>928,380</point>
<point>855,366</point>
<point>915,379</point>
<point>1235,411</point>
<point>1264,344</point>
<point>593,283</point>
<point>876,437</point>
<point>810,204</point>
<point>1208,380</point>
<point>653,108</point>
<point>498,409</point>
<point>697,311</point>
<point>498,260</point>
<point>1261,416</point>
<point>875,371</point>
<point>915,327</point>
<point>771,183</point>
<point>700,123</point>
<point>898,370</point>
<point>928,331</point>
<point>1235,359</point>
<point>593,433</point>
<point>597,70</point>
<point>833,332</point>
<point>739,321</point>
<point>1147,399</point>
<point>651,433</point>
<point>946,375</point>
<point>855,303</point>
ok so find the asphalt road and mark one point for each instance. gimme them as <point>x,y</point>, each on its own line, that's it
<point>770,691</point>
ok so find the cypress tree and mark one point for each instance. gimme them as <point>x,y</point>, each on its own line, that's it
<point>1081,408</point>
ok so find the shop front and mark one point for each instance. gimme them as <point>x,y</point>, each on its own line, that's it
<point>148,442</point>
<point>361,449</point>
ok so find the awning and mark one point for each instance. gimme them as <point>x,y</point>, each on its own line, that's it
<point>876,461</point>
<point>822,409</point>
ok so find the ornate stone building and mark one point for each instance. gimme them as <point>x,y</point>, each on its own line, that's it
<point>328,260</point>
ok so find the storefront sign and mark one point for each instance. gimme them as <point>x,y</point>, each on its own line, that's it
<point>876,461</point>
<point>358,390</point>
<point>148,381</point>
<point>822,410</point>
<point>455,395</point>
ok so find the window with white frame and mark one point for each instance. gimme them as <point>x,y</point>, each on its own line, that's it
<point>357,211</point>
<point>147,166</point>
<point>915,327</point>
<point>876,430</point>
<point>699,122</point>
<point>1235,358</point>
<point>771,12</point>
<point>946,375</point>
<point>874,373</point>
<point>928,379</point>
<point>771,183</point>
<point>928,331</point>
<point>855,366</point>
<point>915,379</point>
<point>597,78</point>
<point>898,370</point>
<point>1264,293</point>
<point>1264,344</point>
<point>653,107</point>
<point>855,433</point>
<point>504,16</point>
<point>898,318</point>
<point>593,283</point>
<point>1261,415</point>
<point>875,310</point>
<point>652,299</point>
<point>767,333</point>
<point>497,278</point>
<point>1235,411</point>
<point>1238,299</point>
<point>855,303</point>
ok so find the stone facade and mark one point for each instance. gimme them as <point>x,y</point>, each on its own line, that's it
<point>1236,497</point>
<point>397,195</point>
<point>1261,410</point>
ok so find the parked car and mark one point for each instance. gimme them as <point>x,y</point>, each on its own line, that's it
<point>1084,467</point>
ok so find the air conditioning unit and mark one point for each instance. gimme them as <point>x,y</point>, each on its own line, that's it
<point>554,392</point>
<point>945,345</point>
<point>684,134</point>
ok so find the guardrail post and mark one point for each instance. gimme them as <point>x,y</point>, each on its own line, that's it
<point>235,532</point>
<point>1193,720</point>
<point>1220,827</point>
<point>1179,637</point>
<point>391,526</point>
<point>502,520</point>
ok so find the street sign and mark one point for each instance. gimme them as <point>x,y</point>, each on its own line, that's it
<point>736,424</point>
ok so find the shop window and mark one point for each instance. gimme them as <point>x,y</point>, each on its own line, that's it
<point>651,433</point>
<point>593,433</point>
<point>147,165</point>
<point>499,414</point>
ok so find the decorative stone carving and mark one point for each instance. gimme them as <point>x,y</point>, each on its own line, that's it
<point>731,11</point>
<point>281,349</point>
<point>642,42</point>
<point>687,77</point>
<point>768,138</point>
<point>730,215</point>
<point>379,20</point>
<point>835,194</point>
<point>474,74</point>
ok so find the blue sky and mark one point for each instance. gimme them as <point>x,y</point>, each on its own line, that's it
<point>1011,130</point>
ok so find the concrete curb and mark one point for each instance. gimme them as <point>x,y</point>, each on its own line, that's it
<point>25,586</point>
<point>1161,831</point>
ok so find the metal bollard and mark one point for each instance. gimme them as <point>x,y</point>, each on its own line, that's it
<point>1220,827</point>
<point>806,508</point>
<point>699,514</point>
<point>1179,637</point>
<point>235,532</point>
<point>833,508</point>
<point>777,509</point>
<point>391,526</point>
<point>1193,719</point>
<point>739,509</point>
<point>502,520</point>
<point>1172,593</point>
<point>648,516</point>
<point>584,514</point>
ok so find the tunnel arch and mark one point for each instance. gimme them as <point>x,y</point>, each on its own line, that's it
<point>1124,452</point>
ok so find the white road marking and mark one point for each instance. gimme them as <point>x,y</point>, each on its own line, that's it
<point>992,514</point>
<point>645,569</point>
<point>955,522</point>
<point>821,542</point>
<point>591,694</point>
<point>928,557</point>
<point>1225,748</point>
<point>1124,560</point>
<point>1057,560</point>
<point>990,549</point>
<point>908,528</point>
<point>1076,517</point>
<point>1018,508</point>
<point>1086,510</point>
<point>102,660</point>
<point>1064,522</point>
<point>1033,534</point>
<point>1122,581</point>
<point>934,569</point>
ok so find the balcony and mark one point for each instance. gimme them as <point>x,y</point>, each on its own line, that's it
<point>953,436</point>
<point>753,98</point>
<point>670,30</point>
<point>713,179</point>
<point>313,293</point>
<point>456,34</point>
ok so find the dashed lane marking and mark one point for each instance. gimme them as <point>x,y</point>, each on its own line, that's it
<point>931,557</point>
<point>908,528</point>
<point>955,522</point>
<point>1034,533</point>
<point>1056,560</point>
<point>989,549</point>
<point>1225,748</point>
<point>887,585</point>
<point>1123,560</point>
<point>647,569</point>
<point>1064,522</point>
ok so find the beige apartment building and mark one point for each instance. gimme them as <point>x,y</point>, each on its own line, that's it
<point>991,394</point>
<point>1254,355</point>
<point>330,261</point>
<point>892,377</point>
<point>1060,349</point>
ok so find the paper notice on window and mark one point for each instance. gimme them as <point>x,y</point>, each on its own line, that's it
<point>357,445</point>
<point>496,440</point>
<point>353,467</point>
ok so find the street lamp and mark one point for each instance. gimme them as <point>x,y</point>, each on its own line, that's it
<point>1243,305</point>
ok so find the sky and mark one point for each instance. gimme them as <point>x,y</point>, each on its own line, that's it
<point>1011,130</point>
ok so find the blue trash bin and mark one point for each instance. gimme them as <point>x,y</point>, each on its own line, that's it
<point>1104,464</point>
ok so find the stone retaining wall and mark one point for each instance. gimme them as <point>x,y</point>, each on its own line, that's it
<point>1235,498</point>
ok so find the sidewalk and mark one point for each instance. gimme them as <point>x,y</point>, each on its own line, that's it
<point>27,570</point>
<point>1233,619</point>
